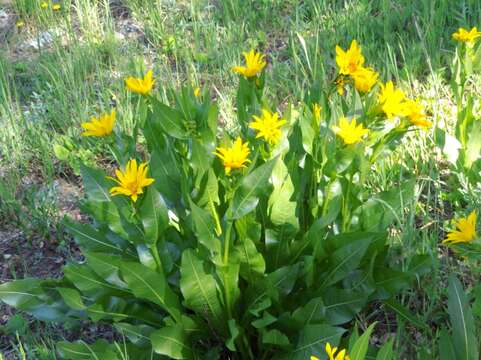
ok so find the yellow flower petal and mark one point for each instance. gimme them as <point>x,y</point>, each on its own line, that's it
<point>235,157</point>
<point>131,181</point>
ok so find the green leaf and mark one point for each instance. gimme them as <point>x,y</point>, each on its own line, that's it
<point>80,350</point>
<point>359,350</point>
<point>446,347</point>
<point>21,294</point>
<point>386,352</point>
<point>462,322</point>
<point>87,281</point>
<point>234,333</point>
<point>107,213</point>
<point>72,298</point>
<point>404,313</point>
<point>252,263</point>
<point>275,337</point>
<point>345,259</point>
<point>205,229</point>
<point>342,305</point>
<point>252,186</point>
<point>382,209</point>
<point>199,288</point>
<point>90,239</point>
<point>171,341</point>
<point>282,209</point>
<point>150,285</point>
<point>137,334</point>
<point>313,312</point>
<point>313,339</point>
<point>473,146</point>
<point>170,120</point>
<point>165,169</point>
<point>107,267</point>
<point>96,186</point>
<point>154,215</point>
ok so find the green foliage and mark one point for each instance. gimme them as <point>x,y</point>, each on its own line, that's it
<point>273,260</point>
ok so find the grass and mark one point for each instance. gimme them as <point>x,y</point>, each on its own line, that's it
<point>47,91</point>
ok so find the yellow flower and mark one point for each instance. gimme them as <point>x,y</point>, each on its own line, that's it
<point>44,5</point>
<point>140,86</point>
<point>234,157</point>
<point>268,126</point>
<point>132,181</point>
<point>350,133</point>
<point>349,61</point>
<point>466,36</point>
<point>20,24</point>
<point>331,352</point>
<point>56,7</point>
<point>255,62</point>
<point>415,112</point>
<point>102,126</point>
<point>316,110</point>
<point>466,230</point>
<point>391,100</point>
<point>314,357</point>
<point>197,92</point>
<point>364,79</point>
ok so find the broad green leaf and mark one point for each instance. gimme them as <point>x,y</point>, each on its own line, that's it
<point>90,239</point>
<point>282,209</point>
<point>87,281</point>
<point>404,313</point>
<point>199,288</point>
<point>137,334</point>
<point>202,156</point>
<point>462,322</point>
<point>265,321</point>
<point>308,133</point>
<point>386,352</point>
<point>473,146</point>
<point>150,285</point>
<point>342,305</point>
<point>234,332</point>
<point>382,209</point>
<point>205,229</point>
<point>154,215</point>
<point>275,337</point>
<point>170,120</point>
<point>252,262</point>
<point>171,341</point>
<point>313,339</point>
<point>72,298</point>
<point>96,186</point>
<point>311,313</point>
<point>359,350</point>
<point>106,212</point>
<point>390,281</point>
<point>107,267</point>
<point>344,260</point>
<point>446,347</point>
<point>21,294</point>
<point>252,186</point>
<point>80,350</point>
<point>165,169</point>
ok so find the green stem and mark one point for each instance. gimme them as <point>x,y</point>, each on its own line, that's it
<point>155,254</point>
<point>226,264</point>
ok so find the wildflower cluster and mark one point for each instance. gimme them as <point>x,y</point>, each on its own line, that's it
<point>253,244</point>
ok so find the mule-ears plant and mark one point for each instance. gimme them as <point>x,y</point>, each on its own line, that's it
<point>262,247</point>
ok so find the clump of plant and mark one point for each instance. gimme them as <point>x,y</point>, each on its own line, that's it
<point>261,246</point>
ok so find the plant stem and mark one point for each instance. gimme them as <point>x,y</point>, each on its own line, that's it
<point>224,270</point>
